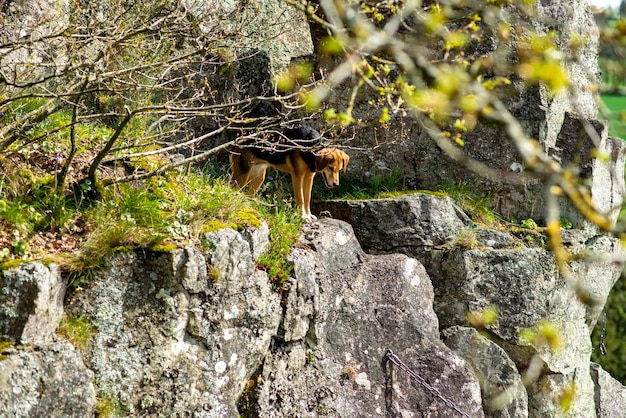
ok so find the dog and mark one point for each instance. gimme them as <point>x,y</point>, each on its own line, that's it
<point>249,164</point>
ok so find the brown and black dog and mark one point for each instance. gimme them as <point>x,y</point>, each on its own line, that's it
<point>248,166</point>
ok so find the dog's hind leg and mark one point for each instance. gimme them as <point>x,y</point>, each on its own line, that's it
<point>256,176</point>
<point>239,169</point>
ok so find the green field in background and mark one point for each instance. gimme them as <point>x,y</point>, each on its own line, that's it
<point>616,115</point>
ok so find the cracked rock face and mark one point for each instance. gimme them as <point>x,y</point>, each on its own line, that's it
<point>344,311</point>
<point>501,271</point>
<point>202,332</point>
<point>51,382</point>
<point>503,392</point>
<point>171,340</point>
<point>31,302</point>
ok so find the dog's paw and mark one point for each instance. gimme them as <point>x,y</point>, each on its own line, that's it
<point>309,218</point>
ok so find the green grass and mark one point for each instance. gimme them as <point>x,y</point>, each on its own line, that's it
<point>477,204</point>
<point>377,186</point>
<point>108,406</point>
<point>77,330</point>
<point>159,213</point>
<point>285,224</point>
<point>615,113</point>
<point>165,210</point>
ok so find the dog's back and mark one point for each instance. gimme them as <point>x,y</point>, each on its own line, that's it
<point>303,138</point>
<point>278,147</point>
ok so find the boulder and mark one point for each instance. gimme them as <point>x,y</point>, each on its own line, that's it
<point>52,382</point>
<point>31,302</point>
<point>526,290</point>
<point>503,392</point>
<point>610,394</point>
<point>411,221</point>
<point>180,333</point>
<point>357,308</point>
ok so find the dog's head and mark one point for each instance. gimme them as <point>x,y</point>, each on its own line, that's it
<point>329,162</point>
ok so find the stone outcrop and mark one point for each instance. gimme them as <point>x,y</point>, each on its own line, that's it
<point>564,124</point>
<point>31,302</point>
<point>415,221</point>
<point>182,332</point>
<point>186,331</point>
<point>358,308</point>
<point>202,331</point>
<point>502,271</point>
<point>45,381</point>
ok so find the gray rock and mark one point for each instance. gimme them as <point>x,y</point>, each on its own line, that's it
<point>335,245</point>
<point>503,391</point>
<point>495,239</point>
<point>180,333</point>
<point>271,26</point>
<point>598,269</point>
<point>521,282</point>
<point>354,315</point>
<point>32,19</point>
<point>610,394</point>
<point>562,395</point>
<point>413,220</point>
<point>303,298</point>
<point>575,149</point>
<point>31,302</point>
<point>258,238</point>
<point>51,382</point>
<point>525,288</point>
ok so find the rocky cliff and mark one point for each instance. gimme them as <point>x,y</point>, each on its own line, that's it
<point>564,124</point>
<point>392,311</point>
<point>373,323</point>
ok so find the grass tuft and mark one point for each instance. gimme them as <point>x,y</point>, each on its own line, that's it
<point>465,240</point>
<point>378,186</point>
<point>77,330</point>
<point>4,344</point>
<point>284,224</point>
<point>109,407</point>
<point>478,205</point>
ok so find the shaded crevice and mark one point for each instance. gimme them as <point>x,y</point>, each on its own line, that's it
<point>248,402</point>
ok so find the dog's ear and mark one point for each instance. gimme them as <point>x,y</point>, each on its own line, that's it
<point>322,159</point>
<point>346,159</point>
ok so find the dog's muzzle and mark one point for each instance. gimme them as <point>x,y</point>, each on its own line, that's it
<point>329,184</point>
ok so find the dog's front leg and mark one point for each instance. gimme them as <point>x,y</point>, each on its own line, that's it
<point>297,180</point>
<point>307,187</point>
<point>299,191</point>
